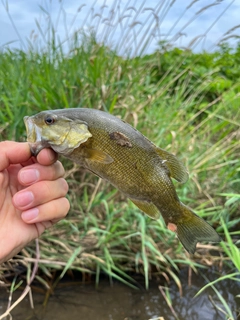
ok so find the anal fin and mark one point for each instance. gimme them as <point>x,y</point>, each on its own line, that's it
<point>147,207</point>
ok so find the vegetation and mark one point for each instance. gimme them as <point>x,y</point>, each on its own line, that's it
<point>185,102</point>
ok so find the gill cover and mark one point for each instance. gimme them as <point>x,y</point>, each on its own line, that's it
<point>60,133</point>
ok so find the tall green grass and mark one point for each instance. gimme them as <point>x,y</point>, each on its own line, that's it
<point>169,96</point>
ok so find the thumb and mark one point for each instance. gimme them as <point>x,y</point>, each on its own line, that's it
<point>12,152</point>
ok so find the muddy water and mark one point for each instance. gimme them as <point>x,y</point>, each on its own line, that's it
<point>76,301</point>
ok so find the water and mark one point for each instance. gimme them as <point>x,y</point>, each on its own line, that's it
<point>73,300</point>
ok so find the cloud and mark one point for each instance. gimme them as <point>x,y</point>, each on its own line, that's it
<point>67,17</point>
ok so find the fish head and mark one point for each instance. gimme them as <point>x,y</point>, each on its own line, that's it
<point>50,130</point>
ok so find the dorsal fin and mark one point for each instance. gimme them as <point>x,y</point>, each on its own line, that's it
<point>175,166</point>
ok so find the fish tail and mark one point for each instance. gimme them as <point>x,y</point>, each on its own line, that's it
<point>192,229</point>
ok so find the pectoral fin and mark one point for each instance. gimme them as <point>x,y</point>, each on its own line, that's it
<point>175,166</point>
<point>147,207</point>
<point>97,155</point>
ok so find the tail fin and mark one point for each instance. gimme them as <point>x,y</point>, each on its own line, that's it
<point>192,229</point>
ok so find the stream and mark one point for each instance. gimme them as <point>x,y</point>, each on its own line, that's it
<point>75,300</point>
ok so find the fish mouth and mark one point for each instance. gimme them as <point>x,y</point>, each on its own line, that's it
<point>34,136</point>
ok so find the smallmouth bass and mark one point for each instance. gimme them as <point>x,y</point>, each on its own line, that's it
<point>115,151</point>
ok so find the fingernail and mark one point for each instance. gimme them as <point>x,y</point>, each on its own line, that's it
<point>23,199</point>
<point>52,155</point>
<point>30,215</point>
<point>29,175</point>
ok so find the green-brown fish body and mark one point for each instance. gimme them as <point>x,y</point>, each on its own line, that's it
<point>115,151</point>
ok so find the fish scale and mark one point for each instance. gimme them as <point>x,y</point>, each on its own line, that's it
<point>130,163</point>
<point>115,151</point>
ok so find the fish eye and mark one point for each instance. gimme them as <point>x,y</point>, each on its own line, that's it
<point>49,120</point>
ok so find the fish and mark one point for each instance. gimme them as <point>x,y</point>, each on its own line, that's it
<point>115,151</point>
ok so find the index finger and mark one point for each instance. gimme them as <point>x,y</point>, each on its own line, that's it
<point>12,152</point>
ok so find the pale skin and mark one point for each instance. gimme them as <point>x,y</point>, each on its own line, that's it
<point>32,195</point>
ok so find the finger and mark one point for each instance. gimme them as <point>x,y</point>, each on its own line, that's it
<point>36,172</point>
<point>12,152</point>
<point>40,193</point>
<point>47,156</point>
<point>48,212</point>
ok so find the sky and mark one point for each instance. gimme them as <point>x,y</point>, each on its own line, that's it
<point>130,26</point>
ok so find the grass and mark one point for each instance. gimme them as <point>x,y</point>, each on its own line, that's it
<point>180,108</point>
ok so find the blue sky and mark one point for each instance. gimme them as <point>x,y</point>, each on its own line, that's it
<point>155,17</point>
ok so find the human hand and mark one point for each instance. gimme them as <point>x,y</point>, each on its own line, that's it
<point>32,195</point>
